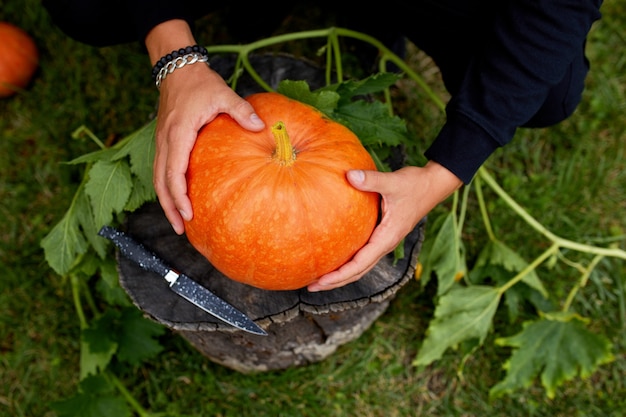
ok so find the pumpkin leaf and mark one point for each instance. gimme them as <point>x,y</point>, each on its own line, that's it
<point>515,297</point>
<point>375,83</point>
<point>99,155</point>
<point>139,146</point>
<point>462,314</point>
<point>325,101</point>
<point>498,253</point>
<point>96,398</point>
<point>109,187</point>
<point>143,192</point>
<point>97,347</point>
<point>109,286</point>
<point>371,122</point>
<point>85,217</point>
<point>558,347</point>
<point>65,242</point>
<point>124,333</point>
<point>136,337</point>
<point>498,263</point>
<point>445,254</point>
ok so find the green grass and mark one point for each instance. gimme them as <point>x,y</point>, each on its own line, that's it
<point>571,177</point>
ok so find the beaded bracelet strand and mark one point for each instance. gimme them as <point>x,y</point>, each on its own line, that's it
<point>178,59</point>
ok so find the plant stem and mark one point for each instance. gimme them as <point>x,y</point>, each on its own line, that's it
<point>483,208</point>
<point>328,70</point>
<point>89,298</point>
<point>77,303</point>
<point>84,129</point>
<point>531,266</point>
<point>333,40</point>
<point>463,211</point>
<point>582,282</point>
<point>566,243</point>
<point>284,153</point>
<point>332,44</point>
<point>127,395</point>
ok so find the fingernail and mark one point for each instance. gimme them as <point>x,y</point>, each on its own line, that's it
<point>184,215</point>
<point>255,119</point>
<point>356,175</point>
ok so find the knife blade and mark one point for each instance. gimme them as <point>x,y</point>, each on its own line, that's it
<point>180,283</point>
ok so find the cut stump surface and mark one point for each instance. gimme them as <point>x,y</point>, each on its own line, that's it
<point>303,327</point>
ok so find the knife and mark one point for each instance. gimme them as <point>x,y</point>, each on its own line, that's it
<point>181,284</point>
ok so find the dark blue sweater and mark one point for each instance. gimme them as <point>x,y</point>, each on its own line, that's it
<point>529,71</point>
<point>506,63</point>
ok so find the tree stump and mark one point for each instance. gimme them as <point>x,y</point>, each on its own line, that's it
<point>303,327</point>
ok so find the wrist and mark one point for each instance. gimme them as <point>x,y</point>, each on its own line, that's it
<point>177,59</point>
<point>444,181</point>
<point>171,46</point>
<point>167,37</point>
<point>442,171</point>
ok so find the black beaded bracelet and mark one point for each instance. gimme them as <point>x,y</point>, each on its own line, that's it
<point>194,50</point>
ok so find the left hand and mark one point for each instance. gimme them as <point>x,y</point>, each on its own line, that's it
<point>407,196</point>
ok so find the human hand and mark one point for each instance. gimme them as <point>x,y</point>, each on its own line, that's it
<point>191,97</point>
<point>407,196</point>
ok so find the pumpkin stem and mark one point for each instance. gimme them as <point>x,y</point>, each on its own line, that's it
<point>284,153</point>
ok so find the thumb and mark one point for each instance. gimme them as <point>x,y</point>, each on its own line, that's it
<point>247,118</point>
<point>365,180</point>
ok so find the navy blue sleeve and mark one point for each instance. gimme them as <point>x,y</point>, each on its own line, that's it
<point>110,22</point>
<point>533,48</point>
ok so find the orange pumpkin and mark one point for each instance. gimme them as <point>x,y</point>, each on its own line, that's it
<point>19,58</point>
<point>273,209</point>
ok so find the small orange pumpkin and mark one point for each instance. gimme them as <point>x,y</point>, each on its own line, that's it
<point>19,59</point>
<point>273,209</point>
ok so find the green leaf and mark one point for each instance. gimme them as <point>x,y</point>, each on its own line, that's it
<point>498,253</point>
<point>375,83</point>
<point>108,284</point>
<point>445,254</point>
<point>85,216</point>
<point>88,266</point>
<point>91,363</point>
<point>98,344</point>
<point>557,347</point>
<point>516,296</point>
<point>142,192</point>
<point>372,123</point>
<point>370,120</point>
<point>140,148</point>
<point>323,100</point>
<point>64,243</point>
<point>462,314</point>
<point>99,155</point>
<point>135,337</point>
<point>124,333</point>
<point>109,187</point>
<point>500,264</point>
<point>96,398</point>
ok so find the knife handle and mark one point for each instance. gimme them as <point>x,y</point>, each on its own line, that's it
<point>134,250</point>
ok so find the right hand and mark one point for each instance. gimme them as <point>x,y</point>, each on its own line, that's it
<point>408,195</point>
